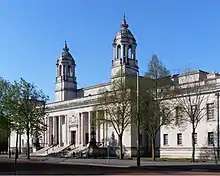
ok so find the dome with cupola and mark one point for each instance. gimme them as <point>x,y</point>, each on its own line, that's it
<point>124,33</point>
<point>65,55</point>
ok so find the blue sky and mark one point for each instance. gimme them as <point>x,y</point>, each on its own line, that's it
<point>183,33</point>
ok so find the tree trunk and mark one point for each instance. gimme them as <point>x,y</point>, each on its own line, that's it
<point>28,144</point>
<point>19,143</point>
<point>193,144</point>
<point>121,147</point>
<point>16,147</point>
<point>153,148</point>
<point>9,144</point>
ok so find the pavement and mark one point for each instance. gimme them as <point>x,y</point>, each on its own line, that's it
<point>50,165</point>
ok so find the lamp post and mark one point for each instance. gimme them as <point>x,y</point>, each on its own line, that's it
<point>138,124</point>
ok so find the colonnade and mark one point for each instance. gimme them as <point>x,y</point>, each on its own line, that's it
<point>61,131</point>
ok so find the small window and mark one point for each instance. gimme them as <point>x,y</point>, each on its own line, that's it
<point>130,52</point>
<point>60,70</point>
<point>118,51</point>
<point>195,137</point>
<point>165,139</point>
<point>69,70</point>
<point>179,139</point>
<point>210,138</point>
<point>210,111</point>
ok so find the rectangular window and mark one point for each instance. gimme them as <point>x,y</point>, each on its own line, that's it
<point>210,111</point>
<point>179,139</point>
<point>210,138</point>
<point>195,137</point>
<point>165,139</point>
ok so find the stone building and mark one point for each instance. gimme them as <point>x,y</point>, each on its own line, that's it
<point>69,117</point>
<point>202,92</point>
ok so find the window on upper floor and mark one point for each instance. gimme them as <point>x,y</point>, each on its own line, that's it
<point>130,52</point>
<point>210,111</point>
<point>179,139</point>
<point>194,137</point>
<point>60,70</point>
<point>165,139</point>
<point>118,51</point>
<point>69,71</point>
<point>210,138</point>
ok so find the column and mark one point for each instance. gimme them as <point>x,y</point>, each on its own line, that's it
<point>54,130</point>
<point>89,124</point>
<point>60,130</point>
<point>126,52</point>
<point>50,130</point>
<point>47,131</point>
<point>82,129</point>
<point>66,131</point>
<point>106,127</point>
<point>98,128</point>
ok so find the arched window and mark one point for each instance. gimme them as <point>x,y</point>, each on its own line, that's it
<point>118,51</point>
<point>69,71</point>
<point>130,52</point>
<point>60,70</point>
<point>64,71</point>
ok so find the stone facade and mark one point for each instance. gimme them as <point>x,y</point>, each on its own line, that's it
<point>176,141</point>
<point>69,117</point>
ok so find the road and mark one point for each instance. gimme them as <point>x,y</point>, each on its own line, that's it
<point>49,165</point>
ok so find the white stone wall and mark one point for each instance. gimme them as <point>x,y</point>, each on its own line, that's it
<point>22,142</point>
<point>203,150</point>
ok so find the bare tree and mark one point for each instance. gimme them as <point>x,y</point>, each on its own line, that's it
<point>116,102</point>
<point>191,103</point>
<point>154,111</point>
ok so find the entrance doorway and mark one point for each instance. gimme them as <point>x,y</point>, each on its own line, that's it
<point>87,138</point>
<point>73,137</point>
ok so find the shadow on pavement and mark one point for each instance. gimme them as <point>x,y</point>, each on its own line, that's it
<point>58,169</point>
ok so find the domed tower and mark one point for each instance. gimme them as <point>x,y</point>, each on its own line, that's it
<point>124,52</point>
<point>66,85</point>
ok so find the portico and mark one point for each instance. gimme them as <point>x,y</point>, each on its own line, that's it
<point>74,129</point>
<point>57,128</point>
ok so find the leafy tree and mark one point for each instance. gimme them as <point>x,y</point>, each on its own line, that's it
<point>31,110</point>
<point>154,113</point>
<point>5,96</point>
